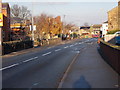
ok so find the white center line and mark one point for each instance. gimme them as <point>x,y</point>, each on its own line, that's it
<point>30,59</point>
<point>66,47</point>
<point>9,66</point>
<point>35,84</point>
<point>13,65</point>
<point>46,54</point>
<point>71,45</point>
<point>76,43</point>
<point>57,50</point>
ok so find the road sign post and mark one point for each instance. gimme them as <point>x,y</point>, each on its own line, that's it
<point>1,24</point>
<point>1,43</point>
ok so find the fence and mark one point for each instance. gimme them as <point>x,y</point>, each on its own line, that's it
<point>111,54</point>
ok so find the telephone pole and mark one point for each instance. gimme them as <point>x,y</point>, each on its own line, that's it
<point>32,26</point>
<point>63,24</point>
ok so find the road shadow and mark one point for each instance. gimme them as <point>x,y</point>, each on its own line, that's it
<point>82,83</point>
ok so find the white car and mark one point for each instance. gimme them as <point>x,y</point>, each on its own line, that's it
<point>117,33</point>
<point>117,38</point>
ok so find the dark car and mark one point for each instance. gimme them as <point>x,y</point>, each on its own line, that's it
<point>117,38</point>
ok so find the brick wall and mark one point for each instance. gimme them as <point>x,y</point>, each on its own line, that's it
<point>111,55</point>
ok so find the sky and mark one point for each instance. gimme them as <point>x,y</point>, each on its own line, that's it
<point>77,12</point>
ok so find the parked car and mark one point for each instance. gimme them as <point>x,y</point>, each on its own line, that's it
<point>117,38</point>
<point>95,36</point>
<point>117,33</point>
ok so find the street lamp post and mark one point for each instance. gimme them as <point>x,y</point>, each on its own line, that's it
<point>32,25</point>
<point>63,24</point>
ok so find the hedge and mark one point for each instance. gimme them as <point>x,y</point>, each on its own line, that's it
<point>113,31</point>
<point>13,46</point>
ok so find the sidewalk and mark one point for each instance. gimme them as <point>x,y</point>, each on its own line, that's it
<point>90,71</point>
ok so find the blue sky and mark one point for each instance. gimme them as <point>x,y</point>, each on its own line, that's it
<point>75,12</point>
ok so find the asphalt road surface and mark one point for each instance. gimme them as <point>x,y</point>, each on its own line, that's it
<point>40,69</point>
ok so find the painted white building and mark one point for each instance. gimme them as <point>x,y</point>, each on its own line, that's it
<point>104,28</point>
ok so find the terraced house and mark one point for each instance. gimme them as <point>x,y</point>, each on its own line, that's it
<point>114,18</point>
<point>6,22</point>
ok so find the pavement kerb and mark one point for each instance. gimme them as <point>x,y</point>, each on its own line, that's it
<point>36,49</point>
<point>68,69</point>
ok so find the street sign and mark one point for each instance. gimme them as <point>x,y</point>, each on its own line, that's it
<point>1,19</point>
<point>33,28</point>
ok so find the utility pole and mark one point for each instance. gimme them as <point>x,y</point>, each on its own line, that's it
<point>32,24</point>
<point>1,38</point>
<point>63,23</point>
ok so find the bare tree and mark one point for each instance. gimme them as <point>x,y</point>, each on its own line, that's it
<point>25,13</point>
<point>21,12</point>
<point>15,10</point>
<point>68,27</point>
<point>43,24</point>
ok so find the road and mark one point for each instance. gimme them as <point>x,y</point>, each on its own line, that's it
<point>40,69</point>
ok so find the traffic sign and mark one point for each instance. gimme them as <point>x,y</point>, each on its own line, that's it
<point>1,19</point>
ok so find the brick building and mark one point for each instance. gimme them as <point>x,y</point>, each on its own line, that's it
<point>114,18</point>
<point>56,25</point>
<point>96,29</point>
<point>6,21</point>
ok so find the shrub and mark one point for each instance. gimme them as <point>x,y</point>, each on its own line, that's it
<point>13,46</point>
<point>75,35</point>
<point>113,31</point>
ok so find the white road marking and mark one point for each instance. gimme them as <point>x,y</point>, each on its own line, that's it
<point>35,84</point>
<point>116,85</point>
<point>76,43</point>
<point>66,47</point>
<point>46,54</point>
<point>9,66</point>
<point>13,65</point>
<point>57,50</point>
<point>71,45</point>
<point>30,59</point>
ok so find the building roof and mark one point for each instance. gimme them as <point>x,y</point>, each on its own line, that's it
<point>113,9</point>
<point>105,22</point>
<point>85,27</point>
<point>5,5</point>
<point>97,26</point>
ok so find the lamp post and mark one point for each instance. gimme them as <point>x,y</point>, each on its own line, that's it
<point>63,23</point>
<point>32,25</point>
